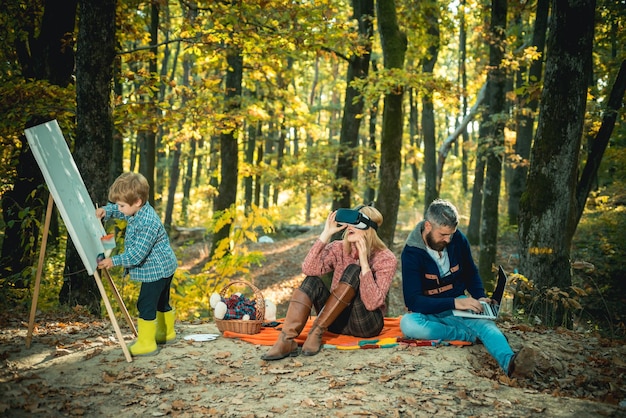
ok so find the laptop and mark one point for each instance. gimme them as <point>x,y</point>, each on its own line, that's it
<point>490,311</point>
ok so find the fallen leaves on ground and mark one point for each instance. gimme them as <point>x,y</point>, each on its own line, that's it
<point>75,367</point>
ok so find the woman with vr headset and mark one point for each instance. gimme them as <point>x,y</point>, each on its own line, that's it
<point>362,270</point>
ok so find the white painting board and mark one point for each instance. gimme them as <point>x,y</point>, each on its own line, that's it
<point>68,190</point>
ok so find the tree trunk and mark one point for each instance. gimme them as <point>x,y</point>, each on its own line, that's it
<point>147,158</point>
<point>162,159</point>
<point>188,181</point>
<point>250,146</point>
<point>313,97</point>
<point>95,53</point>
<point>431,188</point>
<point>493,122</point>
<point>547,208</point>
<point>280,155</point>
<point>214,166</point>
<point>268,148</point>
<point>229,157</point>
<point>188,64</point>
<point>173,184</point>
<point>117,152</point>
<point>257,177</point>
<point>414,141</point>
<point>371,168</point>
<point>526,119</point>
<point>463,85</point>
<point>177,152</point>
<point>358,68</point>
<point>394,44</point>
<point>476,209</point>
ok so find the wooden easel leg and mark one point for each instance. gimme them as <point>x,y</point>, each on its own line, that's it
<point>120,302</point>
<point>42,253</point>
<point>107,304</point>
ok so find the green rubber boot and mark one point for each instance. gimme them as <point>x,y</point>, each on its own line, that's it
<point>146,342</point>
<point>165,331</point>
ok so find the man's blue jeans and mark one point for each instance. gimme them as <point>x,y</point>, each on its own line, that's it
<point>447,327</point>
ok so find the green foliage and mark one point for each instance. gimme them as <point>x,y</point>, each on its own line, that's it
<point>232,260</point>
<point>21,101</point>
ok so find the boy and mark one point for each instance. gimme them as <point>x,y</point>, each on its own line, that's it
<point>147,257</point>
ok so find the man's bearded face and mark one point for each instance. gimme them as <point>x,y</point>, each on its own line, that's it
<point>438,238</point>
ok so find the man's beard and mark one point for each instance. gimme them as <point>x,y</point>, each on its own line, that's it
<point>437,246</point>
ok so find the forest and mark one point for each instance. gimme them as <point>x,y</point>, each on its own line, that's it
<point>254,118</point>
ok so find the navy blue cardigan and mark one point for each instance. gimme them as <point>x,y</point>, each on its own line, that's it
<point>425,290</point>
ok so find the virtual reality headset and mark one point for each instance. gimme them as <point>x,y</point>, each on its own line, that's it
<point>355,218</point>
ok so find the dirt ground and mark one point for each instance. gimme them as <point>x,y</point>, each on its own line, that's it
<point>75,367</point>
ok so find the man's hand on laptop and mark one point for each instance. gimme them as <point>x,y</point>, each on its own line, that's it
<point>468,304</point>
<point>488,300</point>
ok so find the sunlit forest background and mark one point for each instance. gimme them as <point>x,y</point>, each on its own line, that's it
<point>254,118</point>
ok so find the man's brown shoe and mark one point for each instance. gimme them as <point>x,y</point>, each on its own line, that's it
<point>523,363</point>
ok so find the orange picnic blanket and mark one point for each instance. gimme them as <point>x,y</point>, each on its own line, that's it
<point>269,335</point>
<point>390,336</point>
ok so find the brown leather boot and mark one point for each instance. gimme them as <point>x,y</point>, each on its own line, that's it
<point>297,314</point>
<point>339,299</point>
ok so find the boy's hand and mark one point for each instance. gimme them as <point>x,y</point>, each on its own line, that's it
<point>100,212</point>
<point>107,263</point>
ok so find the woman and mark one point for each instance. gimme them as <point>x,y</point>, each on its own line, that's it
<point>363,268</point>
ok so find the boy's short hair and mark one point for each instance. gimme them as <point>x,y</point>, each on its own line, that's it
<point>128,188</point>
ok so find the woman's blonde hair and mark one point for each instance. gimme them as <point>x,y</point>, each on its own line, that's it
<point>128,188</point>
<point>372,240</point>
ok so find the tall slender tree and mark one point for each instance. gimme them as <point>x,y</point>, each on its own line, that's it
<point>394,43</point>
<point>229,158</point>
<point>358,68</point>
<point>526,119</point>
<point>492,133</point>
<point>431,189</point>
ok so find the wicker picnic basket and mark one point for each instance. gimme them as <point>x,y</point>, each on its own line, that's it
<point>251,326</point>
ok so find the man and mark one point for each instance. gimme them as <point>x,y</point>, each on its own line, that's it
<point>438,273</point>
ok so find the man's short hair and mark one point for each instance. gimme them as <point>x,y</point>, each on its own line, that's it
<point>442,213</point>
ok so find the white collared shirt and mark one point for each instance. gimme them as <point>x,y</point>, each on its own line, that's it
<point>442,260</point>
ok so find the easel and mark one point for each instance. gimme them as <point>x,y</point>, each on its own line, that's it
<point>107,303</point>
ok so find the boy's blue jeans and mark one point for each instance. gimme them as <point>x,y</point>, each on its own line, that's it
<point>447,327</point>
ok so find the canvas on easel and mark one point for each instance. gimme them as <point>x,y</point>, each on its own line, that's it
<point>68,191</point>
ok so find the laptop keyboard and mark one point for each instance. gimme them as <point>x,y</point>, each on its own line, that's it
<point>489,310</point>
